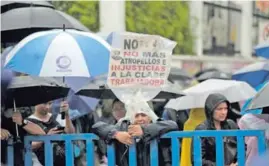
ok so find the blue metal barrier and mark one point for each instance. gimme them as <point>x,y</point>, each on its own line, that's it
<point>69,155</point>
<point>174,136</point>
<point>10,152</point>
<point>218,135</point>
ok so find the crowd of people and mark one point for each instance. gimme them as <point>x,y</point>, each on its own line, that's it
<point>114,127</point>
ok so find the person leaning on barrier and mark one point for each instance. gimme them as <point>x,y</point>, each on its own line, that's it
<point>216,110</point>
<point>143,130</point>
<point>50,125</point>
<point>8,130</point>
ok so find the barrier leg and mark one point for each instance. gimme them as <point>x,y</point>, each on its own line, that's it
<point>219,151</point>
<point>90,152</point>
<point>241,151</point>
<point>111,155</point>
<point>28,152</point>
<point>69,153</point>
<point>175,151</point>
<point>132,154</point>
<point>197,156</point>
<point>154,159</point>
<point>10,152</point>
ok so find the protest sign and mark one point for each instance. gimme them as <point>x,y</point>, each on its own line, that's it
<point>139,66</point>
<point>139,61</point>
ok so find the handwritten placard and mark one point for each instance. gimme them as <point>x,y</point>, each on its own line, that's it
<point>139,61</point>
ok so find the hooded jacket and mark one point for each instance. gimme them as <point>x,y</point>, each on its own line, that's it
<point>151,131</point>
<point>208,143</point>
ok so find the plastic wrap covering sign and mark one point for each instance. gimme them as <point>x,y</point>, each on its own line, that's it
<point>139,66</point>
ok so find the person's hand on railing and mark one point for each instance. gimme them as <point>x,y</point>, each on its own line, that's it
<point>123,137</point>
<point>54,130</point>
<point>135,130</point>
<point>5,134</point>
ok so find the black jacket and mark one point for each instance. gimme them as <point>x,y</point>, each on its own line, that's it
<point>151,131</point>
<point>208,143</point>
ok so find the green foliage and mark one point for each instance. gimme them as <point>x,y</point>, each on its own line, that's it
<point>166,18</point>
<point>87,12</point>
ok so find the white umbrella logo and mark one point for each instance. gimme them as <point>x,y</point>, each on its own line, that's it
<point>63,62</point>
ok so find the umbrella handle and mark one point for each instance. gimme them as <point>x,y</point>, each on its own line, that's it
<point>63,115</point>
<point>15,110</point>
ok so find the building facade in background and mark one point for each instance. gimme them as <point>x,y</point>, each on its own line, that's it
<point>220,28</point>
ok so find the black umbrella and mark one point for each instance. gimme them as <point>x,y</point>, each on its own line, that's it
<point>21,22</point>
<point>178,74</point>
<point>214,75</point>
<point>103,92</point>
<point>29,91</point>
<point>204,71</point>
<point>9,5</point>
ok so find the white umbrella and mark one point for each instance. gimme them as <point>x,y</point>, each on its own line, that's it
<point>196,96</point>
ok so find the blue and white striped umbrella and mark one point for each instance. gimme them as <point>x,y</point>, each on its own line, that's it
<point>59,53</point>
<point>254,74</point>
<point>262,50</point>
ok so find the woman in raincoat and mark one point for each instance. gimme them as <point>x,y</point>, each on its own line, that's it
<point>196,117</point>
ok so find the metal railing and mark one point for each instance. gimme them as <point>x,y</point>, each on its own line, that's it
<point>174,136</point>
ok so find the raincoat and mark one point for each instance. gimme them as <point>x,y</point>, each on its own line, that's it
<point>254,122</point>
<point>196,117</point>
<point>208,143</point>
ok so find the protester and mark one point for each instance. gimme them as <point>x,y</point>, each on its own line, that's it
<point>197,116</point>
<point>178,116</point>
<point>216,110</point>
<point>8,130</point>
<point>140,128</point>
<point>254,122</point>
<point>118,110</point>
<point>50,125</point>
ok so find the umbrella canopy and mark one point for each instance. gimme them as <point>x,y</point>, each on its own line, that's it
<point>60,53</point>
<point>180,76</point>
<point>196,96</point>
<point>79,105</point>
<point>18,23</point>
<point>9,5</point>
<point>6,78</point>
<point>262,50</point>
<point>178,73</point>
<point>254,74</point>
<point>213,75</point>
<point>246,104</point>
<point>103,92</point>
<point>205,71</point>
<point>261,99</point>
<point>29,91</point>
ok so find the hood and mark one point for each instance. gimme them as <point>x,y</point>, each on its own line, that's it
<point>212,102</point>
